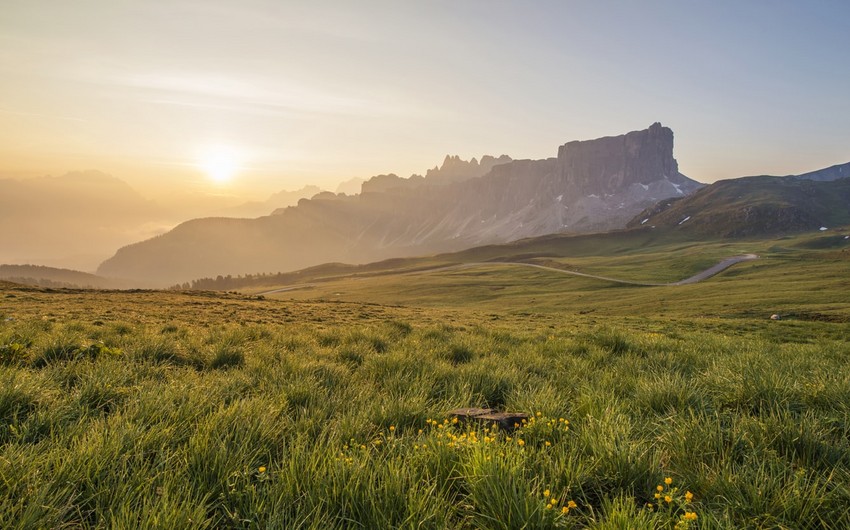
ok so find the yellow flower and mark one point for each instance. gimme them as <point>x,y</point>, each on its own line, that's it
<point>520,442</point>
<point>668,480</point>
<point>261,469</point>
<point>419,431</point>
<point>392,428</point>
<point>689,496</point>
<point>565,510</point>
<point>657,495</point>
<point>546,493</point>
<point>690,516</point>
<point>548,506</point>
<point>660,487</point>
<point>572,504</point>
<point>553,501</point>
<point>548,443</point>
<point>668,499</point>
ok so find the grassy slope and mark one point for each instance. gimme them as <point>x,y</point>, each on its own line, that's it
<point>790,279</point>
<point>169,423</point>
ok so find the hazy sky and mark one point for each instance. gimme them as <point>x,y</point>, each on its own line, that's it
<point>275,94</point>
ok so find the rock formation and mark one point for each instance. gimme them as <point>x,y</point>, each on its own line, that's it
<point>591,186</point>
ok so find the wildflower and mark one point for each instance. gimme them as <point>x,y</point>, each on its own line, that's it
<point>419,431</point>
<point>689,496</point>
<point>668,480</point>
<point>520,442</point>
<point>657,495</point>
<point>546,493</point>
<point>572,504</point>
<point>668,499</point>
<point>660,487</point>
<point>261,469</point>
<point>565,510</point>
<point>548,506</point>
<point>690,516</point>
<point>548,443</point>
<point>553,501</point>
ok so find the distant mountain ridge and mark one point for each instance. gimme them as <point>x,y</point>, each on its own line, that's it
<point>76,219</point>
<point>758,206</point>
<point>591,185</point>
<point>53,277</point>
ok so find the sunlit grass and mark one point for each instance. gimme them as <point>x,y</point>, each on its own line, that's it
<point>163,410</point>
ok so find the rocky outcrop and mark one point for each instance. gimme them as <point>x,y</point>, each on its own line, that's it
<point>609,165</point>
<point>592,185</point>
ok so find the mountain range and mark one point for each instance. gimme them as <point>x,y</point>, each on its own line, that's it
<point>74,220</point>
<point>592,185</point>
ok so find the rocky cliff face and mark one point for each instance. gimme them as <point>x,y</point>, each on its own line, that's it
<point>609,165</point>
<point>591,186</point>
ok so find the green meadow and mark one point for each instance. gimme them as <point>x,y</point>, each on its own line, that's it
<point>325,407</point>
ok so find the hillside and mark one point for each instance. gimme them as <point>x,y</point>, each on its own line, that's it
<point>755,206</point>
<point>592,185</point>
<point>52,277</point>
<point>155,409</point>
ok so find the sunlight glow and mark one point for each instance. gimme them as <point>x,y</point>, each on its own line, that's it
<point>219,163</point>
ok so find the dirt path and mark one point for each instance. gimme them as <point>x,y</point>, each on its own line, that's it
<point>700,276</point>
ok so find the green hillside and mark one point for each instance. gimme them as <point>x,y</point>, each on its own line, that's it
<point>201,409</point>
<point>754,207</point>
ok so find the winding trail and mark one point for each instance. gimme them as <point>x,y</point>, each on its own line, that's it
<point>698,277</point>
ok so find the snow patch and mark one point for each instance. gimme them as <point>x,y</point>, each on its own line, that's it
<point>644,221</point>
<point>559,197</point>
<point>846,237</point>
<point>593,195</point>
<point>685,219</point>
<point>678,189</point>
<point>823,228</point>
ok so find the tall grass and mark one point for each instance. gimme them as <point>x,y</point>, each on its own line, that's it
<point>317,424</point>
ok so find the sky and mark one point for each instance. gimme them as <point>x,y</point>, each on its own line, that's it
<point>251,97</point>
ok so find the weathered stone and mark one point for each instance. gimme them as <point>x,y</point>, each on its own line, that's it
<point>507,421</point>
<point>775,317</point>
<point>469,413</point>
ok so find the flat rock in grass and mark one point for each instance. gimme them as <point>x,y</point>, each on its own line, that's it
<point>469,413</point>
<point>505,420</point>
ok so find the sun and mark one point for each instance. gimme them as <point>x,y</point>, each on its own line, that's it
<point>220,164</point>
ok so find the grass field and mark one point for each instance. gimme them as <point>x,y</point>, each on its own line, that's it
<point>662,407</point>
